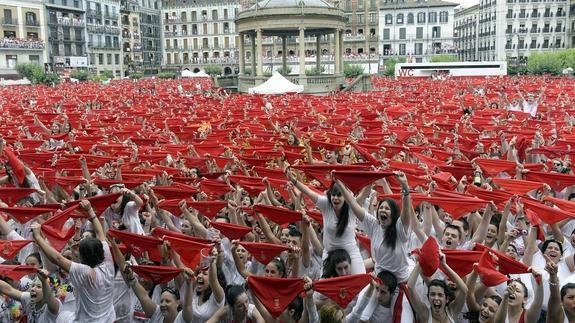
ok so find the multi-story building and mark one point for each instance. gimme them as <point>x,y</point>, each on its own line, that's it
<point>104,35</point>
<point>151,35</point>
<point>466,33</point>
<point>361,33</point>
<point>131,41</point>
<point>200,32</point>
<point>416,29</point>
<point>513,29</point>
<point>66,33</point>
<point>23,34</point>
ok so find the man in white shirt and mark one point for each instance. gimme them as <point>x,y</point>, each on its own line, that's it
<point>93,278</point>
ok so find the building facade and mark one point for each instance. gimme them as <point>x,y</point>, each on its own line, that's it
<point>66,33</point>
<point>104,35</point>
<point>199,33</point>
<point>23,34</point>
<point>466,33</point>
<point>416,29</point>
<point>132,59</point>
<point>513,29</point>
<point>151,35</point>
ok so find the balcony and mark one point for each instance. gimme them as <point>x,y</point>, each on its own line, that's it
<point>66,21</point>
<point>9,22</point>
<point>104,46</point>
<point>103,29</point>
<point>111,15</point>
<point>358,37</point>
<point>26,44</point>
<point>93,13</point>
<point>32,23</point>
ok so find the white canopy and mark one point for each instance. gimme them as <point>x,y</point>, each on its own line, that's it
<point>277,84</point>
<point>188,73</point>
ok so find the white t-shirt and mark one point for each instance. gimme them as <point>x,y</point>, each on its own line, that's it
<point>123,299</point>
<point>158,317</point>
<point>386,258</point>
<point>346,241</point>
<point>203,312</point>
<point>131,218</point>
<point>42,315</point>
<point>94,290</point>
<point>530,108</point>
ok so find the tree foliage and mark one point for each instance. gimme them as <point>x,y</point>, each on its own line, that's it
<point>352,70</point>
<point>213,69</point>
<point>107,74</point>
<point>314,71</point>
<point>35,74</point>
<point>551,62</point>
<point>285,72</point>
<point>80,75</point>
<point>389,69</point>
<point>136,75</point>
<point>166,75</point>
<point>443,58</point>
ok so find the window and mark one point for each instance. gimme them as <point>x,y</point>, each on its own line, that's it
<point>31,19</point>
<point>401,49</point>
<point>100,59</point>
<point>559,27</point>
<point>117,59</point>
<point>421,18</point>
<point>388,19</point>
<point>360,18</point>
<point>11,61</point>
<point>443,16</point>
<point>109,59</point>
<point>372,17</point>
<point>432,17</point>
<point>418,48</point>
<point>399,18</point>
<point>401,33</point>
<point>410,18</point>
<point>34,59</point>
<point>386,33</point>
<point>436,32</point>
<point>419,33</point>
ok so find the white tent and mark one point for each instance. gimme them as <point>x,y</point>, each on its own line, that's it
<point>277,84</point>
<point>188,73</point>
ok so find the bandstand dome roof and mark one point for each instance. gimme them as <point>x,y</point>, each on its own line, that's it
<point>292,3</point>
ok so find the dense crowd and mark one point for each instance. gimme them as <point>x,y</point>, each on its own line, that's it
<point>173,201</point>
<point>28,43</point>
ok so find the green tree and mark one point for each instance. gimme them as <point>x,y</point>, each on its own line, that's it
<point>443,58</point>
<point>544,63</point>
<point>80,75</point>
<point>352,70</point>
<point>314,71</point>
<point>107,74</point>
<point>213,69</point>
<point>285,72</point>
<point>35,74</point>
<point>136,75</point>
<point>389,65</point>
<point>166,75</point>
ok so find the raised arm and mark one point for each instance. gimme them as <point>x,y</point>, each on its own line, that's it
<point>187,308</point>
<point>481,231</point>
<point>534,311</point>
<point>357,209</point>
<point>457,304</point>
<point>240,266</point>
<point>554,308</point>
<point>148,305</point>
<point>264,225</point>
<point>217,289</point>
<point>98,229</point>
<point>407,212</point>
<point>301,186</point>
<point>47,294</point>
<point>9,291</point>
<point>420,309</point>
<point>199,228</point>
<point>472,304</point>
<point>53,255</point>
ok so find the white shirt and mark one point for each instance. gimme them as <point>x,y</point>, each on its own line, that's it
<point>131,219</point>
<point>346,241</point>
<point>42,315</point>
<point>94,290</point>
<point>530,107</point>
<point>158,317</point>
<point>203,312</point>
<point>386,258</point>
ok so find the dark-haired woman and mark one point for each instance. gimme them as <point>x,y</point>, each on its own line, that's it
<point>388,229</point>
<point>238,308</point>
<point>339,222</point>
<point>93,277</point>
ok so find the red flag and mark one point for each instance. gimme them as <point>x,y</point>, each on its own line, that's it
<point>275,294</point>
<point>355,180</point>
<point>517,186</point>
<point>279,215</point>
<point>157,274</point>
<point>263,252</point>
<point>9,248</point>
<point>342,290</point>
<point>230,230</point>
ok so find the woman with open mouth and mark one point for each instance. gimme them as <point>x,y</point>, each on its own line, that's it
<point>561,307</point>
<point>39,304</point>
<point>444,307</point>
<point>512,308</point>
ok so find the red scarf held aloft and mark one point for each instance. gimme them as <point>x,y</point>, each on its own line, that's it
<point>488,272</point>
<point>355,180</point>
<point>517,186</point>
<point>9,248</point>
<point>342,290</point>
<point>230,230</point>
<point>157,274</point>
<point>263,252</point>
<point>275,294</point>
<point>279,215</point>
<point>428,256</point>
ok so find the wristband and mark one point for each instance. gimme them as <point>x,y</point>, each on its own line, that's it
<point>405,192</point>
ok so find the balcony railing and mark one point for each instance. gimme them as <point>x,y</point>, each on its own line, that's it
<point>104,29</point>
<point>9,22</point>
<point>17,43</point>
<point>32,23</point>
<point>65,21</point>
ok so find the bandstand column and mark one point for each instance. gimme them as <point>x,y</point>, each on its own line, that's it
<point>260,70</point>
<point>301,51</point>
<point>336,52</point>
<point>253,42</point>
<point>341,51</point>
<point>284,53</point>
<point>242,54</point>
<point>318,53</point>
